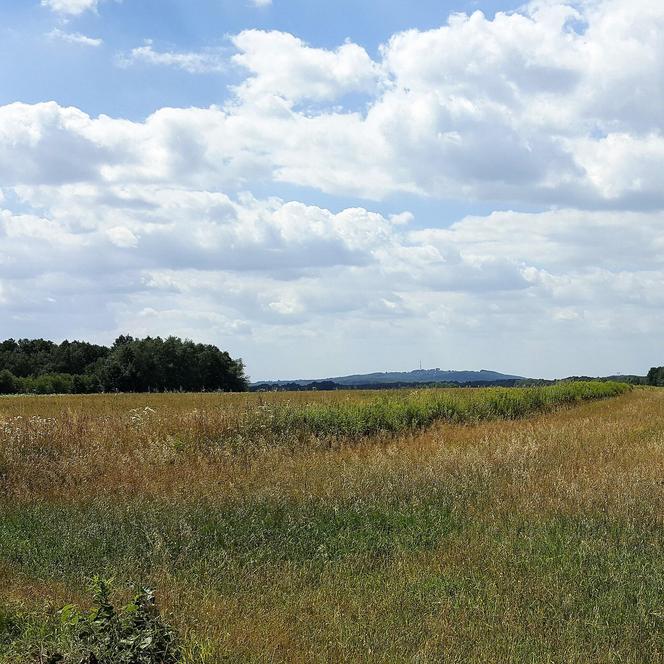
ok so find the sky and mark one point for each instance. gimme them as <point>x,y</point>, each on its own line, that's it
<point>324,187</point>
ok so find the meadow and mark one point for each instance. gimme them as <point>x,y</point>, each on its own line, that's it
<point>467,525</point>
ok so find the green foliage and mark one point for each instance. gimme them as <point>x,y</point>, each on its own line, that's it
<point>133,634</point>
<point>34,357</point>
<point>47,384</point>
<point>207,539</point>
<point>37,366</point>
<point>155,364</point>
<point>9,384</point>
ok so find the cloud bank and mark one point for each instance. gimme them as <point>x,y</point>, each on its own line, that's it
<point>555,107</point>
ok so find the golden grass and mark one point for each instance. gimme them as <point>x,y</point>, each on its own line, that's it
<point>78,447</point>
<point>509,586</point>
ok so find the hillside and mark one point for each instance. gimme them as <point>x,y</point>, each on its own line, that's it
<point>408,377</point>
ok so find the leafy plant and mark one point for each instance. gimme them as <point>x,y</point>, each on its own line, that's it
<point>133,634</point>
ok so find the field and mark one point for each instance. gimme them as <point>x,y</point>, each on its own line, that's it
<point>480,525</point>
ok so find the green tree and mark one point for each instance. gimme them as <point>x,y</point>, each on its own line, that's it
<point>129,365</point>
<point>9,384</point>
<point>656,376</point>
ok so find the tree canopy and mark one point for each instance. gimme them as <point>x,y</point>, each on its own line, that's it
<point>152,364</point>
<point>655,376</point>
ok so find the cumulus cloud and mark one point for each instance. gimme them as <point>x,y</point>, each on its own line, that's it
<point>192,62</point>
<point>517,108</point>
<point>269,268</point>
<point>197,229</point>
<point>70,7</point>
<point>552,105</point>
<point>122,237</point>
<point>48,144</point>
<point>283,65</point>
<point>74,38</point>
<point>555,107</point>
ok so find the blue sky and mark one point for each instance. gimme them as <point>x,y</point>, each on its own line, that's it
<point>92,82</point>
<point>334,187</point>
<point>90,79</point>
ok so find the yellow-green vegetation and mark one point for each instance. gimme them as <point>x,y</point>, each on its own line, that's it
<point>520,525</point>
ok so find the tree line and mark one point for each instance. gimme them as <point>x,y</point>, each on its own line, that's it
<point>152,364</point>
<point>655,377</point>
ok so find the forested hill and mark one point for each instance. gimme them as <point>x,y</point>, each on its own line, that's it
<point>129,365</point>
<point>427,376</point>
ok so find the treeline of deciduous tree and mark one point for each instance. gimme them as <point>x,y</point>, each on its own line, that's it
<point>655,376</point>
<point>129,365</point>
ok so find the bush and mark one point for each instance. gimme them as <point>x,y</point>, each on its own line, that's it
<point>85,384</point>
<point>48,384</point>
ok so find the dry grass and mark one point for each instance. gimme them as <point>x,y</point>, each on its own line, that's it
<point>533,540</point>
<point>78,447</point>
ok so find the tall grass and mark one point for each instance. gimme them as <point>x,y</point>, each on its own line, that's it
<point>407,411</point>
<point>77,445</point>
<point>445,525</point>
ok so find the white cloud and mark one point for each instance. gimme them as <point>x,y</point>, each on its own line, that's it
<point>518,107</point>
<point>47,144</point>
<point>555,106</point>
<point>521,108</point>
<point>194,63</point>
<point>74,38</point>
<point>71,7</point>
<point>275,270</point>
<point>283,65</point>
<point>122,237</point>
<point>261,3</point>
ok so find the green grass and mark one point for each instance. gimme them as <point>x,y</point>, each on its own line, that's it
<point>593,584</point>
<point>403,411</point>
<point>131,540</point>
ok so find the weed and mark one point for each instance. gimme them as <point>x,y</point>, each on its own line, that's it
<point>133,634</point>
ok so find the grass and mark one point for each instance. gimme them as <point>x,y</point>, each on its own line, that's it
<point>487,536</point>
<point>64,447</point>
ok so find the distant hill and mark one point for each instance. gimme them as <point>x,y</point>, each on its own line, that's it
<point>404,377</point>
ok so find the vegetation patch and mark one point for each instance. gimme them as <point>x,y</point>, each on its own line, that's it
<point>419,409</point>
<point>135,633</point>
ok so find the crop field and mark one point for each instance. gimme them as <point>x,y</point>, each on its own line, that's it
<point>464,525</point>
